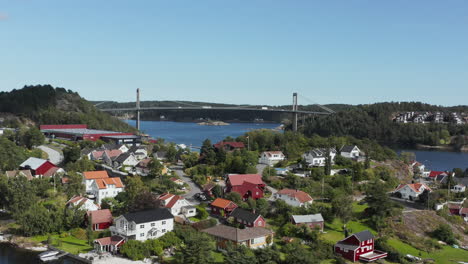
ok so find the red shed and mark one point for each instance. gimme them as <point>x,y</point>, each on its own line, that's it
<point>247,185</point>
<point>222,205</point>
<point>39,167</point>
<point>359,246</point>
<point>100,219</point>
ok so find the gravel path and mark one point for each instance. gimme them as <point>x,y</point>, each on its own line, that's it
<point>54,156</point>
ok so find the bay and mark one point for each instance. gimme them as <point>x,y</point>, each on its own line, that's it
<point>440,160</point>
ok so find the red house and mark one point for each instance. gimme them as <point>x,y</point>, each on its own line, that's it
<point>222,206</point>
<point>247,218</point>
<point>359,246</point>
<point>40,167</point>
<point>100,219</point>
<point>247,185</point>
<point>229,146</point>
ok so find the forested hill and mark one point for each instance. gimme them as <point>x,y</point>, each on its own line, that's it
<point>44,104</point>
<point>375,122</point>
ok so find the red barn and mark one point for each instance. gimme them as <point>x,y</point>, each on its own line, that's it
<point>359,246</point>
<point>247,185</point>
<point>82,132</point>
<point>40,167</point>
<point>100,219</point>
<point>222,206</point>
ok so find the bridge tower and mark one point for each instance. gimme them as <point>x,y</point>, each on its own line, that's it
<point>294,108</point>
<point>138,109</point>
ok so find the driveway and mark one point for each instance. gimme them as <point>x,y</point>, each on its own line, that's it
<point>54,156</point>
<point>193,188</point>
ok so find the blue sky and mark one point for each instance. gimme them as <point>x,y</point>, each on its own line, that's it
<point>240,51</point>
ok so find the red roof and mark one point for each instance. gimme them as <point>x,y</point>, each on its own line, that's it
<point>51,172</point>
<point>415,187</point>
<point>100,216</point>
<point>103,183</point>
<point>301,196</point>
<point>113,240</point>
<point>464,211</point>
<point>239,179</point>
<point>434,174</point>
<point>222,203</point>
<point>91,175</point>
<point>113,153</point>
<point>231,143</point>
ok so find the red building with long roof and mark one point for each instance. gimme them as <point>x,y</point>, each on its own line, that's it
<point>247,185</point>
<point>82,132</point>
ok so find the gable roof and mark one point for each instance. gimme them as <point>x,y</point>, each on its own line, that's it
<point>171,199</point>
<point>236,234</point>
<point>271,153</point>
<point>33,163</point>
<point>50,172</point>
<point>312,218</point>
<point>103,183</point>
<point>348,148</point>
<point>239,179</point>
<point>113,153</point>
<point>16,173</point>
<point>434,174</point>
<point>144,163</point>
<point>113,240</point>
<point>301,196</point>
<point>361,236</point>
<point>134,149</point>
<point>123,157</point>
<point>243,214</point>
<point>464,210</point>
<point>414,186</point>
<point>320,152</point>
<point>156,214</point>
<point>100,216</point>
<point>222,203</point>
<point>90,175</point>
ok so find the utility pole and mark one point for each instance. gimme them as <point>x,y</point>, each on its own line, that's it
<point>138,109</point>
<point>294,108</point>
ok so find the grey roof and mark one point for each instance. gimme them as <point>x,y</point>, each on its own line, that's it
<point>346,246</point>
<point>33,163</point>
<point>441,178</point>
<point>243,214</point>
<point>313,218</point>
<point>236,234</point>
<point>122,157</point>
<point>110,146</point>
<point>348,148</point>
<point>320,152</point>
<point>151,215</point>
<point>134,149</point>
<point>122,136</point>
<point>86,151</point>
<point>160,154</point>
<point>364,235</point>
<point>79,131</point>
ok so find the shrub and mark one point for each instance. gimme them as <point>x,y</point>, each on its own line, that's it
<point>444,233</point>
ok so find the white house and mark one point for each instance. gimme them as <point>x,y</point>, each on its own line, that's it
<point>90,176</point>
<point>351,152</point>
<point>271,157</point>
<point>82,203</point>
<point>458,188</point>
<point>111,146</point>
<point>139,152</point>
<point>411,191</point>
<point>143,225</point>
<point>294,197</point>
<point>177,204</point>
<point>106,188</point>
<point>126,159</point>
<point>317,157</point>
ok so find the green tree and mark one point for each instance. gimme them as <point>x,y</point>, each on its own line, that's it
<point>238,255</point>
<point>155,168</point>
<point>444,233</point>
<point>33,137</point>
<point>135,250</point>
<point>342,207</point>
<point>198,248</point>
<point>75,184</point>
<point>71,153</point>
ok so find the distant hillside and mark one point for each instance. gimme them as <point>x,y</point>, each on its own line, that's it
<point>44,104</point>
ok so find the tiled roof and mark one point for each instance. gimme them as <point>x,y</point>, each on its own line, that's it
<point>103,183</point>
<point>113,240</point>
<point>90,175</point>
<point>232,144</point>
<point>414,186</point>
<point>50,172</point>
<point>301,196</point>
<point>100,216</point>
<point>151,215</point>
<point>434,174</point>
<point>16,173</point>
<point>113,153</point>
<point>239,179</point>
<point>144,163</point>
<point>243,214</point>
<point>221,203</point>
<point>464,210</point>
<point>236,234</point>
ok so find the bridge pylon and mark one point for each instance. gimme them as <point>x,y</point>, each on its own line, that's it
<point>294,108</point>
<point>138,108</point>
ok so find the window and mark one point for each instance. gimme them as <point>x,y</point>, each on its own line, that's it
<point>252,241</point>
<point>142,226</point>
<point>153,224</point>
<point>164,230</point>
<point>259,223</point>
<point>163,222</point>
<point>362,243</point>
<point>142,234</point>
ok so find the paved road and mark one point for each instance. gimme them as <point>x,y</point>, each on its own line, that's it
<point>193,188</point>
<point>54,156</point>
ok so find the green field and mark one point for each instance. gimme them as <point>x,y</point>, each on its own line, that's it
<point>69,244</point>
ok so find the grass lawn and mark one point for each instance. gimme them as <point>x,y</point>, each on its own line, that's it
<point>194,219</point>
<point>334,231</point>
<point>359,208</point>
<point>447,254</point>
<point>69,244</point>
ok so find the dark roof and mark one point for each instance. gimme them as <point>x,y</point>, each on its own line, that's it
<point>152,215</point>
<point>364,235</point>
<point>441,178</point>
<point>161,154</point>
<point>346,246</point>
<point>134,149</point>
<point>348,148</point>
<point>242,214</point>
<point>122,157</point>
<point>86,151</point>
<point>110,146</point>
<point>236,234</point>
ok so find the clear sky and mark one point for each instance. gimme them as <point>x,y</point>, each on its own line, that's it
<point>240,51</point>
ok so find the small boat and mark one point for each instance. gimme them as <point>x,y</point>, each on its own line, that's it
<point>49,255</point>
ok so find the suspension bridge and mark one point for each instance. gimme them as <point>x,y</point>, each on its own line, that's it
<point>186,106</point>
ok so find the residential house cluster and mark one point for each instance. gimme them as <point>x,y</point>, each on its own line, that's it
<point>429,117</point>
<point>120,156</point>
<point>100,186</point>
<point>317,157</point>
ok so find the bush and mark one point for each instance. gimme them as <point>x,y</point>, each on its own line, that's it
<point>444,233</point>
<point>135,250</point>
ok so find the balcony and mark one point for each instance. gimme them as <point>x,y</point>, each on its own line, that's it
<point>123,232</point>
